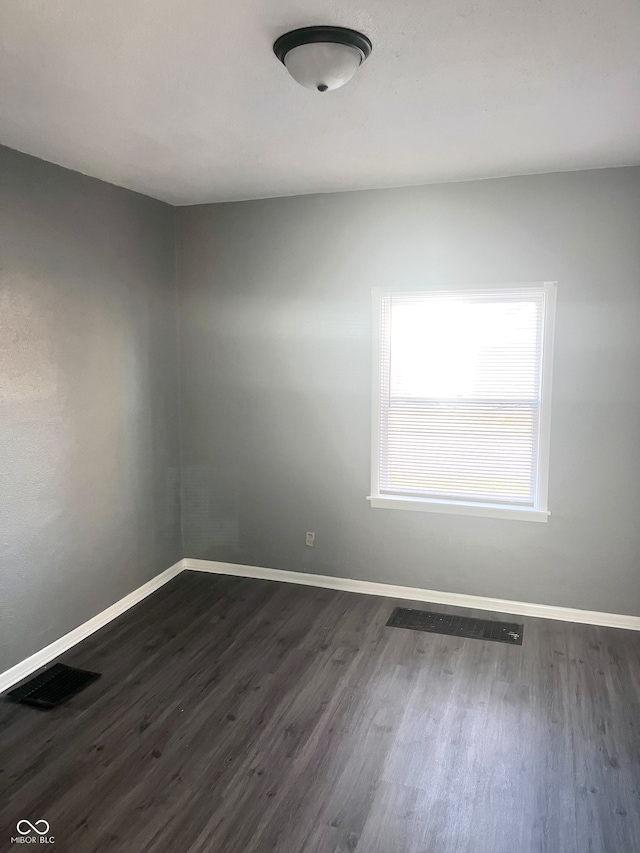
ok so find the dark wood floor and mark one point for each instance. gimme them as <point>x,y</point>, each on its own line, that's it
<point>241,716</point>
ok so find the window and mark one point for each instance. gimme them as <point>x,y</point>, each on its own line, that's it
<point>461,399</point>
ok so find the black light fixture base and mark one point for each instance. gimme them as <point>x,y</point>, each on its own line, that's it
<point>310,35</point>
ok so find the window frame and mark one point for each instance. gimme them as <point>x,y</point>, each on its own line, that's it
<point>540,512</point>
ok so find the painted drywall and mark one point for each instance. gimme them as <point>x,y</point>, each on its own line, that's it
<point>89,422</point>
<point>275,337</point>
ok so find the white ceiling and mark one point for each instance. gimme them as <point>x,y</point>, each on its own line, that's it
<point>184,100</point>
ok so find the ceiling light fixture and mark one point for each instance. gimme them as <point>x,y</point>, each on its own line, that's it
<point>322,58</point>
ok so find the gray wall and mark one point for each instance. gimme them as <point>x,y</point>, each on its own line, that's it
<point>276,335</point>
<point>275,348</point>
<point>89,438</point>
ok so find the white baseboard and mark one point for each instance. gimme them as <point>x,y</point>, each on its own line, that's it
<point>44,656</point>
<point>497,605</point>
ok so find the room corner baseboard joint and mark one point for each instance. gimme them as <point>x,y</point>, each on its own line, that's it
<point>67,641</point>
<point>496,605</point>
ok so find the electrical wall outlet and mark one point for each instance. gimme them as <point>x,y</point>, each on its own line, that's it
<point>311,538</point>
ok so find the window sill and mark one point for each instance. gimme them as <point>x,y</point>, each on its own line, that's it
<point>459,508</point>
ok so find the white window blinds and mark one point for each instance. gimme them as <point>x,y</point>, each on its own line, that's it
<point>460,401</point>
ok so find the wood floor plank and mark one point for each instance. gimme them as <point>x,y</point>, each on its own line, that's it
<point>243,715</point>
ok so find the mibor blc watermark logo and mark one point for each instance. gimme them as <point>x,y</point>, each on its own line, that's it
<point>33,833</point>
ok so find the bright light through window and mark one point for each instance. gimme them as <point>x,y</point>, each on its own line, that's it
<point>461,400</point>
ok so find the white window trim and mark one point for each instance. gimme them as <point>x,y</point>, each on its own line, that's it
<point>538,513</point>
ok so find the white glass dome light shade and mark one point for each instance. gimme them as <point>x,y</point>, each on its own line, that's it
<point>323,65</point>
<point>322,58</point>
